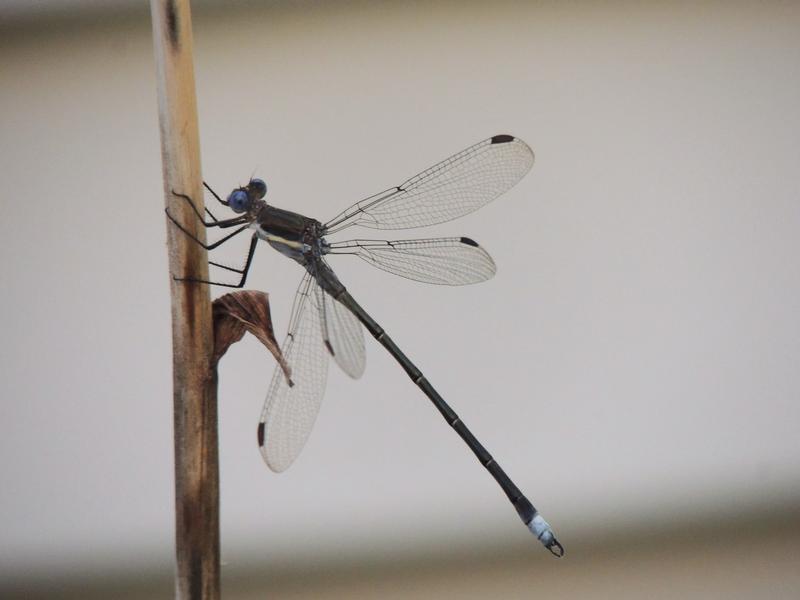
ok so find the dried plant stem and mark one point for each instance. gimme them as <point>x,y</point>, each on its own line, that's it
<point>194,379</point>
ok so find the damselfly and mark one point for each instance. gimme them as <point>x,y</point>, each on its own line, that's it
<point>327,320</point>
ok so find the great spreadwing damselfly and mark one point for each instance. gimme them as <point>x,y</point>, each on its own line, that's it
<point>326,319</point>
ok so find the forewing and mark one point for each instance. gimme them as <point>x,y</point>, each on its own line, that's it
<point>445,261</point>
<point>290,410</point>
<point>450,189</point>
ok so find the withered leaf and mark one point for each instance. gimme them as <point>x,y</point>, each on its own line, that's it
<point>245,310</point>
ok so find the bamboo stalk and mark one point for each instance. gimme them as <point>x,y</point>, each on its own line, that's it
<point>194,379</point>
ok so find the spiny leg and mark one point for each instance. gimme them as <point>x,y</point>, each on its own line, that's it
<point>244,270</point>
<point>213,193</point>
<point>220,200</point>
<point>215,223</point>
<point>226,223</point>
<point>214,245</point>
<point>243,221</point>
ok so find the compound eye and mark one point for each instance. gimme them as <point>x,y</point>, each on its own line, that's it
<point>258,187</point>
<point>238,201</point>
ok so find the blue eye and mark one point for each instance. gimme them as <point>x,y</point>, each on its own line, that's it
<point>239,201</point>
<point>258,187</point>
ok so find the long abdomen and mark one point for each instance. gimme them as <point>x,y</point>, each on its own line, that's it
<point>529,515</point>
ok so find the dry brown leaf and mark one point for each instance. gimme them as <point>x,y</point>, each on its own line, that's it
<point>241,311</point>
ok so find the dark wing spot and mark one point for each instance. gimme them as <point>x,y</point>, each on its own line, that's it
<point>330,348</point>
<point>469,242</point>
<point>502,139</point>
<point>261,434</point>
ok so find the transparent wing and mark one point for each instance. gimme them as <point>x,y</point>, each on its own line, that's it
<point>343,336</point>
<point>291,409</point>
<point>446,261</point>
<point>455,187</point>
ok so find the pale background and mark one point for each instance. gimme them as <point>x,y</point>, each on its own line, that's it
<point>633,365</point>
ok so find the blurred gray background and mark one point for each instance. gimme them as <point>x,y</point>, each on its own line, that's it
<point>633,365</point>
